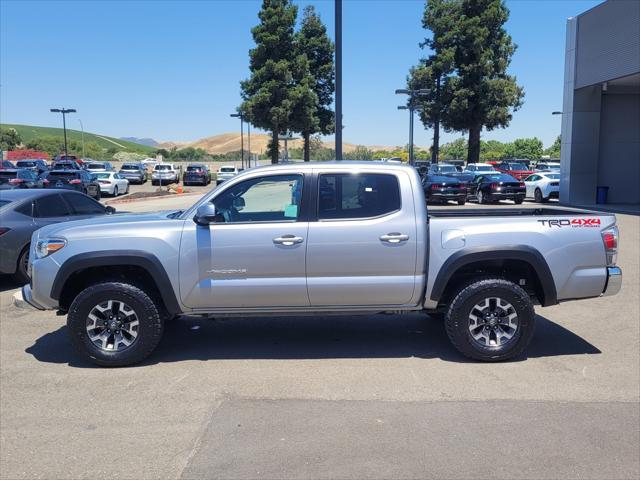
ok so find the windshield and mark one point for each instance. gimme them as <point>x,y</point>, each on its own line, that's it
<point>25,163</point>
<point>95,166</point>
<point>163,167</point>
<point>485,168</point>
<point>129,167</point>
<point>102,175</point>
<point>194,168</point>
<point>227,169</point>
<point>517,166</point>
<point>447,168</point>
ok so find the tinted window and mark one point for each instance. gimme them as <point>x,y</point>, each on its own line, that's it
<point>24,209</point>
<point>130,167</point>
<point>517,166</point>
<point>25,163</point>
<point>163,167</point>
<point>6,202</point>
<point>357,196</point>
<point>266,199</point>
<point>103,175</point>
<point>83,205</point>
<point>51,206</point>
<point>227,169</point>
<point>95,166</point>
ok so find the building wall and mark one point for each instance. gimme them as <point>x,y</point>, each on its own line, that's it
<point>608,44</point>
<point>619,162</point>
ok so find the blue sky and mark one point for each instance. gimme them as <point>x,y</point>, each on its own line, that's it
<point>171,69</point>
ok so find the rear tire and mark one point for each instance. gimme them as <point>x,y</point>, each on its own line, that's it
<point>537,196</point>
<point>490,338</point>
<point>519,201</point>
<point>21,276</point>
<point>93,344</point>
<point>115,191</point>
<point>461,202</point>
<point>480,197</point>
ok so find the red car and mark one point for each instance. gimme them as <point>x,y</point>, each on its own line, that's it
<point>515,169</point>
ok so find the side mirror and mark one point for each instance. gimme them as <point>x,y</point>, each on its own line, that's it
<point>206,214</point>
<point>110,210</point>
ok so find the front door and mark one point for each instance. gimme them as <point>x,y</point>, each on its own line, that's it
<point>254,256</point>
<point>362,249</point>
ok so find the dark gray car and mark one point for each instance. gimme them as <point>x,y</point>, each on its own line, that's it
<point>24,211</point>
<point>134,172</point>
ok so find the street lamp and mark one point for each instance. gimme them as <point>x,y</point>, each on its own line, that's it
<point>412,108</point>
<point>239,115</point>
<point>64,111</point>
<point>82,129</point>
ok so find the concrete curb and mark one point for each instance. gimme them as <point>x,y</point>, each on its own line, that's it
<point>20,302</point>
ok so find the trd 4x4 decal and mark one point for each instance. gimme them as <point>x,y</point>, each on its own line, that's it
<point>574,222</point>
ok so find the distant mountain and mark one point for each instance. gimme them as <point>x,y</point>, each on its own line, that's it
<point>149,142</point>
<point>230,142</point>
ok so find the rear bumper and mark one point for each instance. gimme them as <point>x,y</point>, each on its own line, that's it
<point>614,281</point>
<point>446,196</point>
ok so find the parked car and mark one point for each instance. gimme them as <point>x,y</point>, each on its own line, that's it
<point>134,172</point>
<point>477,168</point>
<point>38,165</point>
<point>542,186</point>
<point>542,166</point>
<point>422,166</point>
<point>6,164</point>
<point>515,169</point>
<point>225,172</point>
<point>493,187</point>
<point>19,178</point>
<point>255,245</point>
<point>442,169</point>
<point>65,165</point>
<point>164,174</point>
<point>95,167</point>
<point>197,173</point>
<point>78,180</point>
<point>440,188</point>
<point>24,211</point>
<point>112,183</point>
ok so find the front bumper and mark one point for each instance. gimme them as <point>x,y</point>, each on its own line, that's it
<point>28,299</point>
<point>614,281</point>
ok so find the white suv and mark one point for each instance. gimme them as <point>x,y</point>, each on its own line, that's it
<point>225,172</point>
<point>164,173</point>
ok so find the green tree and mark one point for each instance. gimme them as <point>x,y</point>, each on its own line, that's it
<point>455,150</point>
<point>9,139</point>
<point>313,42</point>
<point>530,148</point>
<point>49,144</point>
<point>483,95</point>
<point>554,150</point>
<point>492,150</point>
<point>433,72</point>
<point>269,94</point>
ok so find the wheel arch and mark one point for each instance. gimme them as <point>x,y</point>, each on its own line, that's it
<point>483,260</point>
<point>141,267</point>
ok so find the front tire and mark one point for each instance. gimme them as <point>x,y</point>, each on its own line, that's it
<point>481,198</point>
<point>114,324</point>
<point>491,319</point>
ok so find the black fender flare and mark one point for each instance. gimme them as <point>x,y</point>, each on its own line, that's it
<point>108,258</point>
<point>512,252</point>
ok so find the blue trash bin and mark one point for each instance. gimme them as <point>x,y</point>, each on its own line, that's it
<point>601,195</point>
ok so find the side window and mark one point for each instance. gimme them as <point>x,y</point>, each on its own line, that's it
<point>347,196</point>
<point>83,205</point>
<point>50,206</point>
<point>25,209</point>
<point>274,198</point>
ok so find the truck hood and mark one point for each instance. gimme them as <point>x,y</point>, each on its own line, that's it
<point>105,222</point>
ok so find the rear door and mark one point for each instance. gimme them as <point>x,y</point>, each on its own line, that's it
<point>362,243</point>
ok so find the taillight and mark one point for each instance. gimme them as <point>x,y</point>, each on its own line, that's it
<point>493,186</point>
<point>75,181</point>
<point>435,186</point>
<point>45,182</point>
<point>104,182</point>
<point>3,230</point>
<point>522,185</point>
<point>610,240</point>
<point>16,181</point>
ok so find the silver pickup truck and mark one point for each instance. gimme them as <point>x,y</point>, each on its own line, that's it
<point>319,238</point>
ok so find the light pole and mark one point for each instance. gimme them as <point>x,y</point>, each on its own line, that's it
<point>82,129</point>
<point>249,144</point>
<point>239,115</point>
<point>411,107</point>
<point>64,112</point>
<point>338,46</point>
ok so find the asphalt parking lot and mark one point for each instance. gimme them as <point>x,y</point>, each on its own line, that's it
<point>383,396</point>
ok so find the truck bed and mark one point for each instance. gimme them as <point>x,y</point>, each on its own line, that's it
<point>508,212</point>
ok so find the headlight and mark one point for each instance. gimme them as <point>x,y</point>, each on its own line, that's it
<point>47,247</point>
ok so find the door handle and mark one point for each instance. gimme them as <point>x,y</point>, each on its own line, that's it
<point>288,240</point>
<point>394,237</point>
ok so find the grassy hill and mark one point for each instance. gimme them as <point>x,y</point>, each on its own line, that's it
<point>29,132</point>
